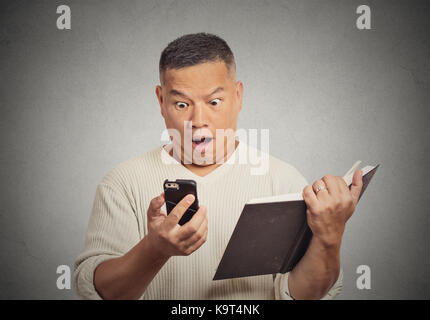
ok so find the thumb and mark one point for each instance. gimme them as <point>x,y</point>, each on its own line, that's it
<point>357,185</point>
<point>155,205</point>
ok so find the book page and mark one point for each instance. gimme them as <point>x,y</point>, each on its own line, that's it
<point>298,196</point>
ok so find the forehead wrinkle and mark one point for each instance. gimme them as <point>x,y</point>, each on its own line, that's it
<point>185,85</point>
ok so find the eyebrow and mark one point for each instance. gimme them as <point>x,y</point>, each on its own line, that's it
<point>219,89</point>
<point>181,94</point>
<point>178,93</point>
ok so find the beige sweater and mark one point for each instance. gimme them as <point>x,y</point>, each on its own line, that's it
<point>118,222</point>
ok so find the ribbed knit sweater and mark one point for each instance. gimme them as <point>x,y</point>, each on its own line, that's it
<point>118,222</point>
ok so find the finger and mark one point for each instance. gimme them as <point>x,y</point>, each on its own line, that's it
<point>343,187</point>
<point>331,184</point>
<point>322,194</point>
<point>155,205</point>
<point>196,235</point>
<point>309,197</point>
<point>194,224</point>
<point>178,211</point>
<point>357,185</point>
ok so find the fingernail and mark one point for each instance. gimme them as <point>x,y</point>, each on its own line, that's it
<point>190,198</point>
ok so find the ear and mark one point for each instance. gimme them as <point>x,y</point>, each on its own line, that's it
<point>158,92</point>
<point>239,93</point>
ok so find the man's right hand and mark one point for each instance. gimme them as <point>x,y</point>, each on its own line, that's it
<point>169,238</point>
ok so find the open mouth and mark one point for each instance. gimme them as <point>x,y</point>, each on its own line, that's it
<point>201,143</point>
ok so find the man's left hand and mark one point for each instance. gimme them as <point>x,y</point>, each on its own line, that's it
<point>330,208</point>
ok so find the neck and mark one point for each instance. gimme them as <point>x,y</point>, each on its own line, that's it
<point>203,170</point>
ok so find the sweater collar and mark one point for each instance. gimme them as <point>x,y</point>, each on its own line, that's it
<point>222,169</point>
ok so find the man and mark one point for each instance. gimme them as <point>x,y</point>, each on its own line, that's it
<point>134,250</point>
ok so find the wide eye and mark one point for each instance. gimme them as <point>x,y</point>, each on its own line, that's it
<point>181,105</point>
<point>215,102</point>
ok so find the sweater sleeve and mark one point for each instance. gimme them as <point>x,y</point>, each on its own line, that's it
<point>282,292</point>
<point>112,231</point>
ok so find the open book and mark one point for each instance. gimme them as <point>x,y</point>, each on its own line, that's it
<point>272,234</point>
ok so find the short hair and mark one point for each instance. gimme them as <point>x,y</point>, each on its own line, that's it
<point>192,49</point>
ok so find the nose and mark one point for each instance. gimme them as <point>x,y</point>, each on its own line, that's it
<point>198,116</point>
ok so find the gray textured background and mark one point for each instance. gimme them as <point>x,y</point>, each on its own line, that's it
<point>75,103</point>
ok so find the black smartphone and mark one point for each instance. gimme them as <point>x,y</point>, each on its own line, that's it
<point>175,191</point>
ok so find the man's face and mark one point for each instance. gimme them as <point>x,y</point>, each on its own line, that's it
<point>198,100</point>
